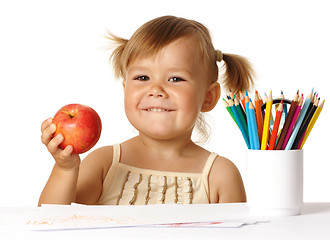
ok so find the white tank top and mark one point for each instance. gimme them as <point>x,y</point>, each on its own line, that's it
<point>128,185</point>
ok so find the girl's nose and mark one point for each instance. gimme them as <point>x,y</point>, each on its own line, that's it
<point>157,91</point>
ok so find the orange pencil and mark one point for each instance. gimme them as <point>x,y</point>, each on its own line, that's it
<point>259,117</point>
<point>261,102</point>
<point>273,137</point>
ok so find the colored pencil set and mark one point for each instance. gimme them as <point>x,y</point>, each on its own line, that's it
<point>287,131</point>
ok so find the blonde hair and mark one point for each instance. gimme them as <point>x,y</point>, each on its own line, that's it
<point>154,35</point>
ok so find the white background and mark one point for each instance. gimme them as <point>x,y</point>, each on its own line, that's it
<point>52,54</point>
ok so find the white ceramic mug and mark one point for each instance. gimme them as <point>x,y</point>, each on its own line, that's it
<point>274,182</point>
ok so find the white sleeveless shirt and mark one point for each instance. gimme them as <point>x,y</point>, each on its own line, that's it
<point>128,185</point>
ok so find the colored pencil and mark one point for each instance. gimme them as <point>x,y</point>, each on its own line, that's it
<point>254,128</point>
<point>312,123</point>
<point>304,124</point>
<point>248,116</point>
<point>273,136</point>
<point>258,115</point>
<point>240,108</point>
<point>285,107</point>
<point>294,120</point>
<point>299,122</point>
<point>287,121</point>
<point>246,103</point>
<point>229,110</point>
<point>279,133</point>
<point>265,132</point>
<point>271,117</point>
<point>241,97</point>
<point>260,99</point>
<point>240,123</point>
<point>241,114</point>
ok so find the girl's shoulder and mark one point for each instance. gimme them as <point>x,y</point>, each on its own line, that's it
<point>223,168</point>
<point>225,179</point>
<point>101,158</point>
<point>102,153</point>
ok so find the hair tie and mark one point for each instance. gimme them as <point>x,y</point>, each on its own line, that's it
<point>219,55</point>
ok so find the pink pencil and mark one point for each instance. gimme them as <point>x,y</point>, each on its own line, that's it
<point>293,122</point>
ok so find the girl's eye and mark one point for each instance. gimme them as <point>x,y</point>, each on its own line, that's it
<point>175,79</point>
<point>142,78</point>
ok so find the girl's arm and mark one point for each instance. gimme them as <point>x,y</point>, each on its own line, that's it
<point>61,187</point>
<point>72,181</point>
<point>62,183</point>
<point>83,184</point>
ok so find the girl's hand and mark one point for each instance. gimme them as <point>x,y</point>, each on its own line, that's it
<point>64,158</point>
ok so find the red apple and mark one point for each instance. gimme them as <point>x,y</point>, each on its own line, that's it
<point>80,125</point>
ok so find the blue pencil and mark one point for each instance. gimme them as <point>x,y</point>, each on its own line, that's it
<point>248,119</point>
<point>285,108</point>
<point>254,128</point>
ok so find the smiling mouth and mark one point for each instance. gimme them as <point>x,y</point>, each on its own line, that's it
<point>157,110</point>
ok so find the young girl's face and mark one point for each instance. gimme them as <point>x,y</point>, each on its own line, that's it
<point>164,93</point>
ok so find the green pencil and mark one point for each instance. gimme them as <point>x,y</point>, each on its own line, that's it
<point>229,110</point>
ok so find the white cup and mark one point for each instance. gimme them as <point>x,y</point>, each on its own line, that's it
<point>274,182</point>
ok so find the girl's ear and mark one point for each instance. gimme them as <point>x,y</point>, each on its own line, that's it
<point>124,84</point>
<point>211,97</point>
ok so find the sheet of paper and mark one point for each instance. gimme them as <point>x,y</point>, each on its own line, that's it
<point>222,224</point>
<point>58,217</point>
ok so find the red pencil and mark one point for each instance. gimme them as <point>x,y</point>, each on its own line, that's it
<point>241,97</point>
<point>273,137</point>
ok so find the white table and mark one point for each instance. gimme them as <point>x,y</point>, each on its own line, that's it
<point>313,223</point>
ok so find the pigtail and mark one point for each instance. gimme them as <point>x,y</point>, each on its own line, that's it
<point>238,73</point>
<point>116,57</point>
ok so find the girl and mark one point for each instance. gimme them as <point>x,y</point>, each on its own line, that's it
<point>169,71</point>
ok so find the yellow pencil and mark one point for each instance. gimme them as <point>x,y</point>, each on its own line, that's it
<point>312,122</point>
<point>265,132</point>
